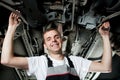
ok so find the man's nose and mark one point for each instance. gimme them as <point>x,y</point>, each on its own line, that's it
<point>53,39</point>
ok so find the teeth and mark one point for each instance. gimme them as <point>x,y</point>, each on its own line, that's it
<point>54,44</point>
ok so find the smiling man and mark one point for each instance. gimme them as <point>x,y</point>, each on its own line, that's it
<point>55,65</point>
<point>52,41</point>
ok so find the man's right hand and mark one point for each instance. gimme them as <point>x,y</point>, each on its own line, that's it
<point>14,20</point>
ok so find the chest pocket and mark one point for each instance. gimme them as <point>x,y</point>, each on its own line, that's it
<point>62,72</point>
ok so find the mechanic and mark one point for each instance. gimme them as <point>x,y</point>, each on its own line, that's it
<point>55,65</point>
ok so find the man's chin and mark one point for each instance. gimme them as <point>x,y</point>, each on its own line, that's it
<point>56,50</point>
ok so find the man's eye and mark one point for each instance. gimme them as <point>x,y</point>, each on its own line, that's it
<point>57,37</point>
<point>48,39</point>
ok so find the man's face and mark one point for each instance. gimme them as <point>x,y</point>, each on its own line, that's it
<point>52,41</point>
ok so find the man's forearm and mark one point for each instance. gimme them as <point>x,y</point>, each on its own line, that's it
<point>7,49</point>
<point>107,53</point>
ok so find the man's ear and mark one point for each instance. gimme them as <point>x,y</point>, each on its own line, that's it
<point>45,46</point>
<point>62,41</point>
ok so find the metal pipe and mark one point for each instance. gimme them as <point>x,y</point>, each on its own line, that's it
<point>13,10</point>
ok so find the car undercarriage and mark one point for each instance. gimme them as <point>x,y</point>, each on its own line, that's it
<point>78,22</point>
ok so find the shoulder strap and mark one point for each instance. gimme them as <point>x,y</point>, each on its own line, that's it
<point>70,62</point>
<point>49,61</point>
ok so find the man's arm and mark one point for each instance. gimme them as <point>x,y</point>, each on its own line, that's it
<point>7,56</point>
<point>106,63</point>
